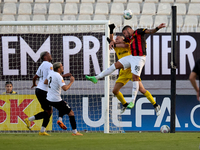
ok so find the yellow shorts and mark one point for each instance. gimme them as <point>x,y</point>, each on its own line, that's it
<point>125,76</point>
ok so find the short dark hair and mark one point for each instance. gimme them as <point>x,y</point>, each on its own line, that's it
<point>125,27</point>
<point>8,82</point>
<point>56,65</point>
<point>43,54</point>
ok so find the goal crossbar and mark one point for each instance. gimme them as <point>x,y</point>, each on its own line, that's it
<point>82,22</point>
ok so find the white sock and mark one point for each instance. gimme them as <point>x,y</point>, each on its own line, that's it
<point>31,118</point>
<point>135,90</point>
<point>74,131</point>
<point>106,72</point>
<point>60,118</point>
<point>43,129</point>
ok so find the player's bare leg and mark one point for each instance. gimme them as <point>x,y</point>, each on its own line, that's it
<point>119,95</point>
<point>104,73</point>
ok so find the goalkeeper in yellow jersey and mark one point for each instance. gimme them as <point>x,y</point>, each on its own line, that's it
<point>122,49</point>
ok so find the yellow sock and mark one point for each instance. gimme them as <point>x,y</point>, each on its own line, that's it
<point>150,97</point>
<point>120,97</point>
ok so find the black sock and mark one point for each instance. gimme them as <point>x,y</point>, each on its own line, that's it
<point>40,115</point>
<point>46,119</point>
<point>125,105</point>
<point>111,26</point>
<point>155,105</point>
<point>61,114</point>
<point>72,122</point>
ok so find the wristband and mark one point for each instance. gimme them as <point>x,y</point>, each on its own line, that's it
<point>108,40</point>
<point>157,28</point>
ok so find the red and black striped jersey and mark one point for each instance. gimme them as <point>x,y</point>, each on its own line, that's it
<point>137,42</point>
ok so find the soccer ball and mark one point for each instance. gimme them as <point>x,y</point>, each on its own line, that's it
<point>165,129</point>
<point>128,14</point>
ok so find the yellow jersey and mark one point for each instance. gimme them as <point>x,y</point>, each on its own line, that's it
<point>12,92</point>
<point>122,52</point>
<point>124,75</point>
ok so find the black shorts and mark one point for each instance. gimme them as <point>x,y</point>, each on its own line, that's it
<point>61,106</point>
<point>42,98</point>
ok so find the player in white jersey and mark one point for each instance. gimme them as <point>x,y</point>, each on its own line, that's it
<point>55,83</point>
<point>41,92</point>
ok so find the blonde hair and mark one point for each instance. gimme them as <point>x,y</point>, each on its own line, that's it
<point>56,65</point>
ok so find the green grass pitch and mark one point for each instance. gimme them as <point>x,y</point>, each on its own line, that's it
<point>101,141</point>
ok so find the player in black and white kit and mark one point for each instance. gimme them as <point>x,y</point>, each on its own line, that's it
<point>41,93</point>
<point>55,83</point>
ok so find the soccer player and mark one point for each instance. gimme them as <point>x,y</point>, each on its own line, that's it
<point>193,75</point>
<point>55,83</point>
<point>9,88</point>
<point>125,75</point>
<point>41,93</point>
<point>136,61</point>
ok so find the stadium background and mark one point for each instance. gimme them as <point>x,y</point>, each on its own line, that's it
<point>156,74</point>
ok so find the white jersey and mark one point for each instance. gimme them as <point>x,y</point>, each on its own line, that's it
<point>55,82</point>
<point>44,69</point>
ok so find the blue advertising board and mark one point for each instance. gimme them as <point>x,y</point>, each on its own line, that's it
<point>89,109</point>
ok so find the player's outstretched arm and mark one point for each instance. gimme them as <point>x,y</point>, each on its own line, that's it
<point>34,81</point>
<point>152,31</point>
<point>67,75</point>
<point>123,45</point>
<point>111,45</point>
<point>66,87</point>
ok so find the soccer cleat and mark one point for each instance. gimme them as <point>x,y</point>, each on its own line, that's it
<point>130,105</point>
<point>157,109</point>
<point>28,123</point>
<point>61,124</point>
<point>123,109</point>
<point>91,78</point>
<point>77,133</point>
<point>44,133</point>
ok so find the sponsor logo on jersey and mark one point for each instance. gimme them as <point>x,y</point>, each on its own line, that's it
<point>123,52</point>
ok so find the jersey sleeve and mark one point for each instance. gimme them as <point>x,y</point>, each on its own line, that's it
<point>50,68</point>
<point>141,31</point>
<point>61,81</point>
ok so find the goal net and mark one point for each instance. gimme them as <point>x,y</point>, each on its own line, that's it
<point>82,48</point>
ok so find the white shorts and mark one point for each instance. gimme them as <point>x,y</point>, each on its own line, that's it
<point>136,63</point>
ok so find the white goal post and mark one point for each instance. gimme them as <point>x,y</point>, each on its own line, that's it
<point>27,55</point>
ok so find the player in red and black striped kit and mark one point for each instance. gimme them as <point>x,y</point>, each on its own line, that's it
<point>137,44</point>
<point>136,61</point>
